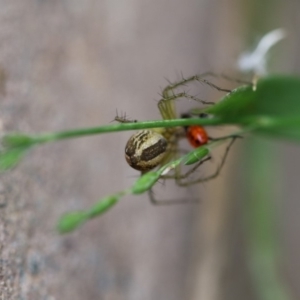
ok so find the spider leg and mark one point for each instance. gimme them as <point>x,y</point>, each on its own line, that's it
<point>173,153</point>
<point>222,138</point>
<point>187,96</point>
<point>178,176</point>
<point>166,105</point>
<point>217,171</point>
<point>199,78</point>
<point>228,78</point>
<point>155,201</point>
<point>167,108</point>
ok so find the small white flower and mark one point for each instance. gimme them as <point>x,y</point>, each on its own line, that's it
<point>255,61</point>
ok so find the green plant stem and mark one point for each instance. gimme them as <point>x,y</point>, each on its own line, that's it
<point>72,220</point>
<point>48,137</point>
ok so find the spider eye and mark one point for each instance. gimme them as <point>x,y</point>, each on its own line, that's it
<point>145,150</point>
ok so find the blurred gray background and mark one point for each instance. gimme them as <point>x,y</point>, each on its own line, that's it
<point>71,63</point>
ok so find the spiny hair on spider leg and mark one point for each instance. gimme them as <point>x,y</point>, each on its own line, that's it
<point>168,80</point>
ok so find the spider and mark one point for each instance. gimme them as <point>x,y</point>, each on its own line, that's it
<point>148,149</point>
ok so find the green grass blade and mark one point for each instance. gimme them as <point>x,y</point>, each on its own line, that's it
<point>14,140</point>
<point>195,155</point>
<point>72,220</point>
<point>10,158</point>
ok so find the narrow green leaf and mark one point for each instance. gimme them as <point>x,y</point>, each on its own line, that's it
<point>71,221</point>
<point>273,108</point>
<point>102,206</point>
<point>195,156</point>
<point>14,140</point>
<point>145,182</point>
<point>10,158</point>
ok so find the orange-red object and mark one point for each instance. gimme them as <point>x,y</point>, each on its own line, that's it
<point>196,135</point>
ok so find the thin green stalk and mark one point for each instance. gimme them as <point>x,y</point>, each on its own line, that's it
<point>48,137</point>
<point>72,220</point>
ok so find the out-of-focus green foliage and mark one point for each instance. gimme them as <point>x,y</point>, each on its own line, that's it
<point>272,108</point>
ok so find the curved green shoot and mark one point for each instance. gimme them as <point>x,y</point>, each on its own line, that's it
<point>72,220</point>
